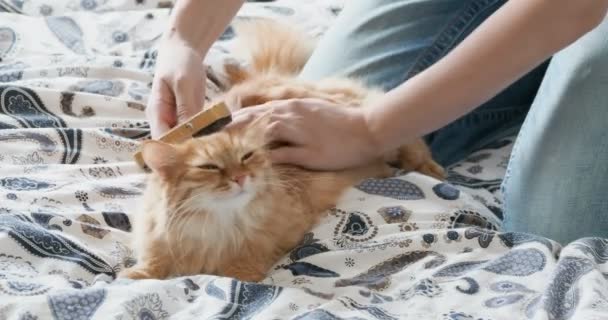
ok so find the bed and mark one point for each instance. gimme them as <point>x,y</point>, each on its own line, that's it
<point>74,78</point>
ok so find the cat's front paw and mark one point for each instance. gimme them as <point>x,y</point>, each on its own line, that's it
<point>253,277</point>
<point>136,274</point>
<point>244,274</point>
<point>433,169</point>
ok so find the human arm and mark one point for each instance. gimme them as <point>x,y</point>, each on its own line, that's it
<point>178,87</point>
<point>514,40</point>
<point>517,38</point>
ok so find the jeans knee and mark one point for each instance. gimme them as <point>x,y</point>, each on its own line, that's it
<point>586,57</point>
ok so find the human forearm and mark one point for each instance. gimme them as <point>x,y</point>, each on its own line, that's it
<point>513,41</point>
<point>178,88</point>
<point>198,23</point>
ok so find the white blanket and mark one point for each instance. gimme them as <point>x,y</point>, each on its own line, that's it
<point>74,78</point>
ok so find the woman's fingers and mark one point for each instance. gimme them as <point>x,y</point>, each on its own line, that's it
<point>290,155</point>
<point>282,130</point>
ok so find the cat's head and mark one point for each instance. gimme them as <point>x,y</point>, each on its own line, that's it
<point>225,170</point>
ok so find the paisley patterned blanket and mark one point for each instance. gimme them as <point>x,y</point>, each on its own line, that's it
<point>74,78</point>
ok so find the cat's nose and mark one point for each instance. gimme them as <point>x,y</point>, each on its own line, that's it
<point>240,179</point>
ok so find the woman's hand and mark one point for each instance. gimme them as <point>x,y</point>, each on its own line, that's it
<point>178,88</point>
<point>317,134</point>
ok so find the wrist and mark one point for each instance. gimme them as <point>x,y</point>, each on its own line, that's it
<point>198,23</point>
<point>376,143</point>
<point>173,50</point>
<point>173,38</point>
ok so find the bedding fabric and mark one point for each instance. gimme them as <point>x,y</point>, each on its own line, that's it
<point>74,78</point>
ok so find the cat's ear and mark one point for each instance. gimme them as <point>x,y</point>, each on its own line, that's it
<point>159,156</point>
<point>236,72</point>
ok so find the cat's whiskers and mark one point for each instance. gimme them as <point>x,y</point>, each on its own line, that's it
<point>281,185</point>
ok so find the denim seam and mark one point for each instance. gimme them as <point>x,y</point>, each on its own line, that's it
<point>504,114</point>
<point>512,157</point>
<point>446,38</point>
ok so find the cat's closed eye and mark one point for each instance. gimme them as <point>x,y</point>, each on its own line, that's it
<point>209,166</point>
<point>247,156</point>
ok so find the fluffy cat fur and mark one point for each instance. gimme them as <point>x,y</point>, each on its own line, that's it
<point>216,205</point>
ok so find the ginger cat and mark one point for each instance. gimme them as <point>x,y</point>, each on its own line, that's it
<point>216,205</point>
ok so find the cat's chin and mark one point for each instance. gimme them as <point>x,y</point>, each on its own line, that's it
<point>240,195</point>
<point>231,201</point>
<point>237,192</point>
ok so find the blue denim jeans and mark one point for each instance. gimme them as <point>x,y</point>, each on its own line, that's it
<point>556,177</point>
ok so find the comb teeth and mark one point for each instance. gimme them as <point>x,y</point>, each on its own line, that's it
<point>216,126</point>
<point>208,121</point>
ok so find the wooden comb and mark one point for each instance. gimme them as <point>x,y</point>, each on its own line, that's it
<point>208,121</point>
